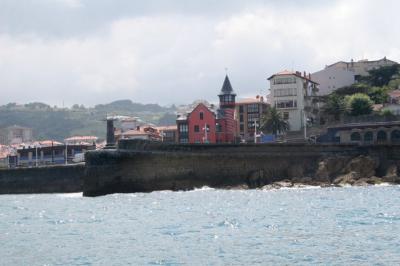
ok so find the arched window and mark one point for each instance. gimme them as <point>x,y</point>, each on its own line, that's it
<point>395,136</point>
<point>368,136</point>
<point>381,136</point>
<point>355,136</point>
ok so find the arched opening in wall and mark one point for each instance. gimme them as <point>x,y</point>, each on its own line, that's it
<point>395,136</point>
<point>355,136</point>
<point>381,136</point>
<point>336,139</point>
<point>368,136</point>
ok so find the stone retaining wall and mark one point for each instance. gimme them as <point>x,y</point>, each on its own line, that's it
<point>54,179</point>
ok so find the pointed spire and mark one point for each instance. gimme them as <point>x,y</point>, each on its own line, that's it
<point>227,87</point>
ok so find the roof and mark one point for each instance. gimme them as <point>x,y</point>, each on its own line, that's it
<point>362,61</point>
<point>81,138</point>
<point>135,133</point>
<point>366,125</point>
<point>226,87</point>
<point>164,128</point>
<point>394,94</point>
<point>183,114</point>
<point>250,100</point>
<point>45,143</point>
<point>289,73</point>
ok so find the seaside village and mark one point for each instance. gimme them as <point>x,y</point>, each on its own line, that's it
<point>345,102</point>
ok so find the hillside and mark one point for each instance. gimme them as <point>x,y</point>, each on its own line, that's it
<point>58,123</point>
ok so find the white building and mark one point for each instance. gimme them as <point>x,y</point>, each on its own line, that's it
<point>332,78</point>
<point>342,74</point>
<point>292,94</point>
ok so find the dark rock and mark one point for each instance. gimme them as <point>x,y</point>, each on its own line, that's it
<point>362,167</point>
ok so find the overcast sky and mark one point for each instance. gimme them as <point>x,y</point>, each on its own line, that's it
<point>98,51</point>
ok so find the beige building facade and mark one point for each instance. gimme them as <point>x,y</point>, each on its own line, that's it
<point>292,94</point>
<point>247,112</point>
<point>342,74</point>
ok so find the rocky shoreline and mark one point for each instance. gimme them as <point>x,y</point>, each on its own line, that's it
<point>342,171</point>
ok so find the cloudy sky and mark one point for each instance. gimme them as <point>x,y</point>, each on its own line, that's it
<point>97,51</point>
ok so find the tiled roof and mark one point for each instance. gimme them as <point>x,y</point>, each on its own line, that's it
<point>167,128</point>
<point>82,138</point>
<point>287,72</point>
<point>249,100</point>
<point>394,94</point>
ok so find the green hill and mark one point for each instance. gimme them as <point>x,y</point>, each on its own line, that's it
<point>58,123</point>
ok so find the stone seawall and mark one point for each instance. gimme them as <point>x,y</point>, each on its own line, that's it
<point>54,179</point>
<point>139,166</point>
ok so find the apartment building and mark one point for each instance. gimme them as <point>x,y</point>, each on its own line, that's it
<point>342,74</point>
<point>248,114</point>
<point>293,94</point>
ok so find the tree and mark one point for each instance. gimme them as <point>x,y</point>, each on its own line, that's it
<point>381,76</point>
<point>358,104</point>
<point>335,106</point>
<point>273,122</point>
<point>378,94</point>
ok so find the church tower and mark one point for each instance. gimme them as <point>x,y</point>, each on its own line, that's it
<point>227,96</point>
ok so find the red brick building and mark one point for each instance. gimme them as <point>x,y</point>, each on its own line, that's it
<point>203,124</point>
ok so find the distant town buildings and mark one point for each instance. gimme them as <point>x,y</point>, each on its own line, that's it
<point>293,94</point>
<point>48,153</point>
<point>342,74</point>
<point>248,113</point>
<point>15,135</point>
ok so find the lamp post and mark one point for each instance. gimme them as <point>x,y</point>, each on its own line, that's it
<point>255,131</point>
<point>205,133</point>
<point>36,162</point>
<point>66,152</point>
<point>305,125</point>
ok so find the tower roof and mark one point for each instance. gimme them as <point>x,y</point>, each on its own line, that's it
<point>227,87</point>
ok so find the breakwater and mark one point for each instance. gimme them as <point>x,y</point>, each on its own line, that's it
<point>140,166</point>
<point>51,179</point>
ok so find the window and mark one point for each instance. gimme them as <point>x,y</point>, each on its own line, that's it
<point>183,128</point>
<point>241,109</point>
<point>201,116</point>
<point>285,92</point>
<point>196,128</point>
<point>241,118</point>
<point>368,136</point>
<point>381,136</point>
<point>241,127</point>
<point>355,136</point>
<point>286,104</point>
<point>395,136</point>
<point>286,115</point>
<point>252,108</point>
<point>284,80</point>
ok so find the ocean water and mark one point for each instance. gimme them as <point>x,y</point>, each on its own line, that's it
<point>327,226</point>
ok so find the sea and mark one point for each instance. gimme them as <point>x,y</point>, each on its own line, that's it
<point>302,226</point>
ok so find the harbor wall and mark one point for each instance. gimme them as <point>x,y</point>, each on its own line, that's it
<point>140,166</point>
<point>50,179</point>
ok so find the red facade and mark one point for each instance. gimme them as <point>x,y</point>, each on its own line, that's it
<point>201,125</point>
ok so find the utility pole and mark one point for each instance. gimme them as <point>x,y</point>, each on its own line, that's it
<point>305,125</point>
